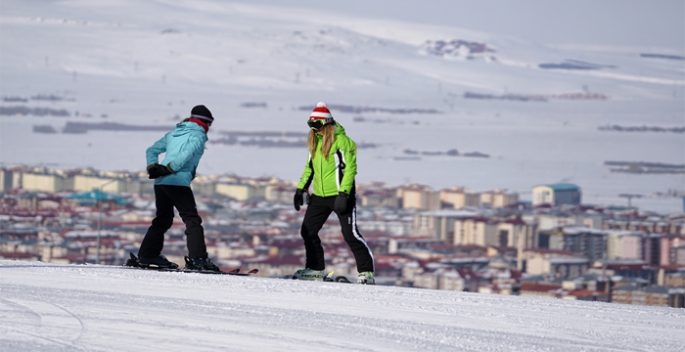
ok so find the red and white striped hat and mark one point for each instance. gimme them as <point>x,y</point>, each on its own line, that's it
<point>321,112</point>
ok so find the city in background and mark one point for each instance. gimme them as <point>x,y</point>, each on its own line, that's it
<point>449,239</point>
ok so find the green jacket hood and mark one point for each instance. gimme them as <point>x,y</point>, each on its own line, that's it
<point>339,131</point>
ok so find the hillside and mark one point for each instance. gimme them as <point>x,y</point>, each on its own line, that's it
<point>50,307</point>
<point>255,65</point>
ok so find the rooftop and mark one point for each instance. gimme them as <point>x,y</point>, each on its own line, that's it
<point>562,187</point>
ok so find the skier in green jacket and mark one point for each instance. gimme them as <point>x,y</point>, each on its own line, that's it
<point>331,167</point>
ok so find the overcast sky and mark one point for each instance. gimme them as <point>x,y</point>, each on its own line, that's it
<point>625,23</point>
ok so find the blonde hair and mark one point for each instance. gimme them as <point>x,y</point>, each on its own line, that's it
<point>328,133</point>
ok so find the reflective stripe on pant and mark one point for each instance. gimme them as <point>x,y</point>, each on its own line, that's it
<point>318,211</point>
<point>166,199</point>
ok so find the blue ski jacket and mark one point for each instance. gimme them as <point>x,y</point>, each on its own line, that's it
<point>184,147</point>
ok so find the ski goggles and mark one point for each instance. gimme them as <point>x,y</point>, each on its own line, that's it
<point>316,124</point>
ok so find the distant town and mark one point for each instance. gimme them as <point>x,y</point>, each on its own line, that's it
<point>451,239</point>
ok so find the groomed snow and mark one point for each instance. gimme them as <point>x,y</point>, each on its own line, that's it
<point>49,307</point>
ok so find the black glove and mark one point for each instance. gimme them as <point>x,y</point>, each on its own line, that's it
<point>157,170</point>
<point>340,205</point>
<point>298,200</point>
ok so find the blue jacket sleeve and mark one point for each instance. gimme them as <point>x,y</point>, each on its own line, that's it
<point>152,153</point>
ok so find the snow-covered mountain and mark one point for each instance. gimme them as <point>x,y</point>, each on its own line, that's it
<point>149,62</point>
<point>49,307</point>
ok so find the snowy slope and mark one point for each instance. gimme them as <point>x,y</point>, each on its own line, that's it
<point>149,62</point>
<point>51,307</point>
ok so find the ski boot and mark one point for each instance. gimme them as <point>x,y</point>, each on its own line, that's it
<point>200,264</point>
<point>309,274</point>
<point>366,278</point>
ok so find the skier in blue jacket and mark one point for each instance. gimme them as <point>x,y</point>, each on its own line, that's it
<point>184,147</point>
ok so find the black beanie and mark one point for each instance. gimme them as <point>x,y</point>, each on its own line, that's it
<point>201,112</point>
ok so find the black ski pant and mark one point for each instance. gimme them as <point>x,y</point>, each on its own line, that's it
<point>166,198</point>
<point>316,215</point>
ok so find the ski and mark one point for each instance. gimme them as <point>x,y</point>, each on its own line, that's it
<point>133,263</point>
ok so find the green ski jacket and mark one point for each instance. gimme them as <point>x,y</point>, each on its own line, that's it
<point>335,174</point>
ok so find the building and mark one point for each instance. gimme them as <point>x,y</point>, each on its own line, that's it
<point>46,182</point>
<point>516,233</point>
<point>540,289</point>
<point>625,245</point>
<point>649,296</point>
<point>564,267</point>
<point>669,250</point>
<point>418,197</point>
<point>378,197</point>
<point>85,183</point>
<point>483,231</point>
<point>556,194</point>
<point>9,179</point>
<point>678,255</point>
<point>480,231</point>
<point>651,248</point>
<point>439,224</point>
<point>440,279</point>
<point>238,191</point>
<point>554,220</point>
<point>590,243</point>
<point>498,199</point>
<point>630,270</point>
<point>674,279</point>
<point>458,198</point>
<point>399,245</point>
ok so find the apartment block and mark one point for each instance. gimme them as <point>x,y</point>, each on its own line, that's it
<point>669,250</point>
<point>440,279</point>
<point>418,197</point>
<point>480,231</point>
<point>590,243</point>
<point>558,266</point>
<point>85,183</point>
<point>624,245</point>
<point>556,194</point>
<point>9,179</point>
<point>237,191</point>
<point>649,296</point>
<point>439,224</point>
<point>459,198</point>
<point>498,199</point>
<point>378,198</point>
<point>43,182</point>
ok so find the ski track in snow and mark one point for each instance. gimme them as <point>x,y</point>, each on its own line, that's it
<point>100,308</point>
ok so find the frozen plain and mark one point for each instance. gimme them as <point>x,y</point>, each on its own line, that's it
<point>51,307</point>
<point>149,62</point>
